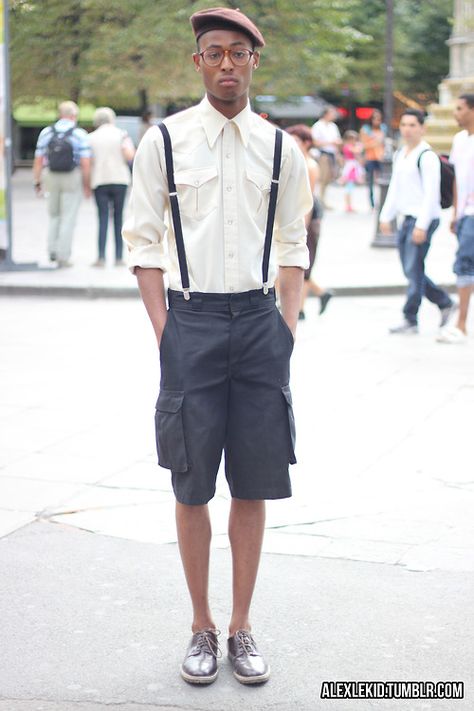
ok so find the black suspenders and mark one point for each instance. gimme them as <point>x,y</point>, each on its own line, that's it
<point>176,217</point>
<point>272,208</point>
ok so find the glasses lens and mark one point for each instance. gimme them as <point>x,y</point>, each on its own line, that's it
<point>240,57</point>
<point>212,57</point>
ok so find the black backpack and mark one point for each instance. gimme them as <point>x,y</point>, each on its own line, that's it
<point>61,152</point>
<point>447,179</point>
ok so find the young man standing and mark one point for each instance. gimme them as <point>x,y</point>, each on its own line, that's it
<point>414,193</point>
<point>224,347</point>
<point>462,157</point>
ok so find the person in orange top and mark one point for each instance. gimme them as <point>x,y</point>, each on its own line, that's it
<point>372,136</point>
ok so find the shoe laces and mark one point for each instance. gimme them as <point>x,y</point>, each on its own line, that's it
<point>207,642</point>
<point>246,642</point>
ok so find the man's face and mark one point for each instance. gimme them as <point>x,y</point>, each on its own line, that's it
<point>463,114</point>
<point>226,82</point>
<point>411,129</point>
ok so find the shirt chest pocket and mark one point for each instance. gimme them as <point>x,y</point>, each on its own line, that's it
<point>257,189</point>
<point>197,192</point>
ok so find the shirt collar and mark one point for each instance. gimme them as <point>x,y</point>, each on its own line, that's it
<point>213,122</point>
<point>64,124</point>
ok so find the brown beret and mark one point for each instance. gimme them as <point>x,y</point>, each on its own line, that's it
<point>225,18</point>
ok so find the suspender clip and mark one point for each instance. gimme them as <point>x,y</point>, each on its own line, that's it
<point>265,288</point>
<point>186,294</point>
<point>173,194</point>
<point>277,182</point>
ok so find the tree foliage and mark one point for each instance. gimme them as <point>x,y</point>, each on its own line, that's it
<point>121,52</point>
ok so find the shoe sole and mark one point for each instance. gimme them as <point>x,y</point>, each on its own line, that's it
<point>198,679</point>
<point>252,679</point>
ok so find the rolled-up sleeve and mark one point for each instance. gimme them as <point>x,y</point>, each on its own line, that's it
<point>144,228</point>
<point>294,202</point>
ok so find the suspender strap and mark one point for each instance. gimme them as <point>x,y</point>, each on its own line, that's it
<point>176,217</point>
<point>272,208</point>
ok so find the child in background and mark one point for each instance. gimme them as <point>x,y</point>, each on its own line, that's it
<point>352,172</point>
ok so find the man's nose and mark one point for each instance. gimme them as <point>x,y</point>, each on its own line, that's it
<point>226,62</point>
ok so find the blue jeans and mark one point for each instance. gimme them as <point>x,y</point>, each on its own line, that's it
<point>413,257</point>
<point>372,167</point>
<point>105,195</point>
<point>464,264</point>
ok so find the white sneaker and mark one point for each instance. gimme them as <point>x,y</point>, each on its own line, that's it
<point>451,334</point>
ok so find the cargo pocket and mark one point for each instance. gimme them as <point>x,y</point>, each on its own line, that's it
<point>170,432</point>
<point>286,392</point>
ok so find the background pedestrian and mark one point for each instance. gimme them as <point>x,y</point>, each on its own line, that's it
<point>372,136</point>
<point>352,171</point>
<point>303,137</point>
<point>112,151</point>
<point>64,150</point>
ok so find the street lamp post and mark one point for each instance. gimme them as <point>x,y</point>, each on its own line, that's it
<point>381,240</point>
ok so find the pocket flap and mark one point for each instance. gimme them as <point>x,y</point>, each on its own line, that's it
<point>287,394</point>
<point>196,178</point>
<point>261,180</point>
<point>170,400</point>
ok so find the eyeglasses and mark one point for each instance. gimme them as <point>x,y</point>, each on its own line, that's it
<point>213,57</point>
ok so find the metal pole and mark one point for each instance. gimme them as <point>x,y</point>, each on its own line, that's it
<point>388,93</point>
<point>7,264</point>
<point>381,240</point>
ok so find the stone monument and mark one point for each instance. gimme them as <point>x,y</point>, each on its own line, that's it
<point>441,125</point>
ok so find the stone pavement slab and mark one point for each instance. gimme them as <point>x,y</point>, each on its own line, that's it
<point>95,622</point>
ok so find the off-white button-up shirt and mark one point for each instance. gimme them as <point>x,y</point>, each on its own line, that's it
<point>223,171</point>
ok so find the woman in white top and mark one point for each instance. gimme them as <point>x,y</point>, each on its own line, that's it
<point>112,151</point>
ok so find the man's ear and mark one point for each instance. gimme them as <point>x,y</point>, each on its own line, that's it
<point>256,59</point>
<point>197,61</point>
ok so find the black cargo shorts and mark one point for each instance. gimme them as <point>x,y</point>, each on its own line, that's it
<point>225,388</point>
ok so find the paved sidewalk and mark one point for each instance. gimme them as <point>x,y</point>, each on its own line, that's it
<point>345,261</point>
<point>367,572</point>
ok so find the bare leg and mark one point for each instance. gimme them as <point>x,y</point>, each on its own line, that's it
<point>315,288</point>
<point>246,528</point>
<point>464,298</point>
<point>194,539</point>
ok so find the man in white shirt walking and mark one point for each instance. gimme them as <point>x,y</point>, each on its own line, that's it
<point>214,171</point>
<point>327,139</point>
<point>462,157</point>
<point>414,194</point>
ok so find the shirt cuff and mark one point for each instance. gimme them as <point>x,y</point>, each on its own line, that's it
<point>147,257</point>
<point>292,255</point>
<point>422,223</point>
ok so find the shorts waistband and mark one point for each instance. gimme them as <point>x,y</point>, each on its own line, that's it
<point>201,301</point>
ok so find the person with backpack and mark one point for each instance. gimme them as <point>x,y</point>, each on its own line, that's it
<point>63,150</point>
<point>414,194</point>
<point>219,200</point>
<point>462,158</point>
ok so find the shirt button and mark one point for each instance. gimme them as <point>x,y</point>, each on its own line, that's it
<point>230,222</point>
<point>196,182</point>
<point>231,255</point>
<point>231,288</point>
<point>229,189</point>
<point>227,155</point>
